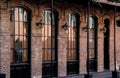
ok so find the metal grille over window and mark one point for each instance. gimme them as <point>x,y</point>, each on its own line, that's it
<point>19,21</point>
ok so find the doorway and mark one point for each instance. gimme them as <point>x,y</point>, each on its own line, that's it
<point>73,44</point>
<point>92,44</point>
<point>49,45</point>
<point>106,44</point>
<point>21,43</point>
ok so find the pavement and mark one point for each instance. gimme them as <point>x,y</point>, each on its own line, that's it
<point>105,74</point>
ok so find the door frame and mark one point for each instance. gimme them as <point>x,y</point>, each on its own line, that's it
<point>92,67</point>
<point>52,64</point>
<point>106,43</point>
<point>74,65</point>
<point>15,65</point>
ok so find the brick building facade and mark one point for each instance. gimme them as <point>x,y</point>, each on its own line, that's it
<point>33,58</point>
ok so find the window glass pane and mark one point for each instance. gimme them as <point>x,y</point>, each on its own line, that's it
<point>92,53</point>
<point>12,14</point>
<point>16,14</point>
<point>20,10</point>
<point>16,27</point>
<point>25,16</point>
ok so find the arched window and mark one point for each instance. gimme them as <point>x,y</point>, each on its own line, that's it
<point>19,20</point>
<point>73,44</point>
<point>48,33</point>
<point>20,39</point>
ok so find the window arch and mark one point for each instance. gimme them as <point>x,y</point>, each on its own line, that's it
<point>20,42</point>
<point>19,18</point>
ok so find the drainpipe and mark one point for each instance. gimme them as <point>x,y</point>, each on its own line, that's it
<point>88,37</point>
<point>88,75</point>
<point>115,38</point>
<point>0,38</point>
<point>115,73</point>
<point>51,36</point>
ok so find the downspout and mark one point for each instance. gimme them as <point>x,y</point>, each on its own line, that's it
<point>115,8</point>
<point>52,1</point>
<point>0,38</point>
<point>88,15</point>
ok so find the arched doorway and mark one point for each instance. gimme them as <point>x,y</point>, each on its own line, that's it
<point>106,44</point>
<point>73,44</point>
<point>21,41</point>
<point>49,45</point>
<point>92,43</point>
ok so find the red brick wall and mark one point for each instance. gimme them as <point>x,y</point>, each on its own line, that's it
<point>36,45</point>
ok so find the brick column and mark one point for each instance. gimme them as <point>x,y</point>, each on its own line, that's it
<point>36,53</point>
<point>100,49</point>
<point>5,43</point>
<point>83,50</point>
<point>62,56</point>
<point>111,47</point>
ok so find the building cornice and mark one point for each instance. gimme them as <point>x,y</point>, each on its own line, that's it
<point>117,4</point>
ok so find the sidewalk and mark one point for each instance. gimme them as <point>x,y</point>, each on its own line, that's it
<point>105,74</point>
